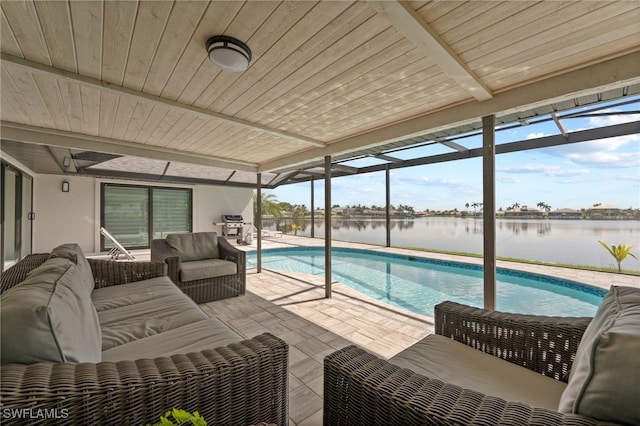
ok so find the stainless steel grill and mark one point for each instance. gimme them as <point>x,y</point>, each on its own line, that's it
<point>232,225</point>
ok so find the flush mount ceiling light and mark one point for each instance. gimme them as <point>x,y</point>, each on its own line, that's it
<point>228,53</point>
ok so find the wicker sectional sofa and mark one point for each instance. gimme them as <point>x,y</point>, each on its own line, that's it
<point>494,368</point>
<point>95,342</point>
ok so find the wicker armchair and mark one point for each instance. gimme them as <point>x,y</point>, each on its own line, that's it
<point>242,383</point>
<point>360,388</point>
<point>209,289</point>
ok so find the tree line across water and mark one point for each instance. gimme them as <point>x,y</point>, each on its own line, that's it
<point>272,208</point>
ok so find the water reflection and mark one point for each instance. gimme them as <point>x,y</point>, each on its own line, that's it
<point>560,241</point>
<point>474,227</point>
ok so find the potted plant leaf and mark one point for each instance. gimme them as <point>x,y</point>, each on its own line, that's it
<point>180,417</point>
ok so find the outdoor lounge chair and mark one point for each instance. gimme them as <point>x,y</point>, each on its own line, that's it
<point>266,233</point>
<point>204,265</point>
<point>471,371</point>
<point>118,248</point>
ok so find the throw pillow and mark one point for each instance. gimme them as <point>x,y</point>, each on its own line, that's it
<point>604,378</point>
<point>49,317</point>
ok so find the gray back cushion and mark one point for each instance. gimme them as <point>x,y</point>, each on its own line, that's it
<point>195,246</point>
<point>605,375</point>
<point>73,252</point>
<point>49,317</point>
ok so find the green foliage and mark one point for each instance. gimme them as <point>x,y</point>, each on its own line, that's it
<point>619,252</point>
<point>270,206</point>
<point>544,206</point>
<point>180,417</point>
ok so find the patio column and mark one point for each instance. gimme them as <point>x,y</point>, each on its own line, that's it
<point>388,206</point>
<point>313,213</point>
<point>327,226</point>
<point>489,209</point>
<point>258,221</point>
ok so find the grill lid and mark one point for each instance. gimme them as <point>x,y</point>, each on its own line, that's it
<point>232,218</point>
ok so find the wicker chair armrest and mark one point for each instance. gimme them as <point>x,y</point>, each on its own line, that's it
<point>544,344</point>
<point>161,251</point>
<point>231,253</point>
<point>108,272</point>
<point>18,272</point>
<point>360,389</point>
<point>242,383</point>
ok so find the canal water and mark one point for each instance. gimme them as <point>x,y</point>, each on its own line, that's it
<point>558,241</point>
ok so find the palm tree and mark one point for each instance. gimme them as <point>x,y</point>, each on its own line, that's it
<point>270,205</point>
<point>544,206</point>
<point>619,252</point>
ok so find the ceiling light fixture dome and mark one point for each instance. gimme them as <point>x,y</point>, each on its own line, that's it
<point>229,53</point>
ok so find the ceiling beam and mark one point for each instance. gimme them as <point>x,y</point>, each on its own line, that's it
<point>612,74</point>
<point>523,145</point>
<point>93,83</point>
<point>42,136</point>
<point>120,174</point>
<point>560,125</point>
<point>282,178</point>
<point>314,174</point>
<point>409,23</point>
<point>345,168</point>
<point>615,130</point>
<point>388,158</point>
<point>453,145</point>
<point>62,158</point>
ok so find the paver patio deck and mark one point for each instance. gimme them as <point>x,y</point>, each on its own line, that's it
<point>293,307</point>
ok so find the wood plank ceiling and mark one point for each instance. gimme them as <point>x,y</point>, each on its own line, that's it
<point>327,77</point>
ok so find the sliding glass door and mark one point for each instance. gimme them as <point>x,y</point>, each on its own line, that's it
<point>16,189</point>
<point>134,214</point>
<point>125,214</point>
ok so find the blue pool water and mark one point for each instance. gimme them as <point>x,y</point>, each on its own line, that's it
<point>418,284</point>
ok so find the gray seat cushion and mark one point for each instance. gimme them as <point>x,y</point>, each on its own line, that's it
<point>442,358</point>
<point>117,296</point>
<point>203,269</point>
<point>207,334</point>
<point>135,321</point>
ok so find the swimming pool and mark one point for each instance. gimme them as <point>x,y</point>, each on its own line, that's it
<point>418,284</point>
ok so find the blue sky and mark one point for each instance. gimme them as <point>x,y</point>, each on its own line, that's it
<point>574,176</point>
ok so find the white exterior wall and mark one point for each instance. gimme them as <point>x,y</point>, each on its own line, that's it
<point>64,217</point>
<point>74,216</point>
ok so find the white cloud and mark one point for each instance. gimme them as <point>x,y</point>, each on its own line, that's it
<point>536,135</point>
<point>606,159</point>
<point>603,153</point>
<point>609,120</point>
<point>432,182</point>
<point>630,178</point>
<point>509,179</point>
<point>547,170</point>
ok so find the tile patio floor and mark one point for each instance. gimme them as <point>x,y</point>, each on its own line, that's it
<point>293,307</point>
<point>295,310</point>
